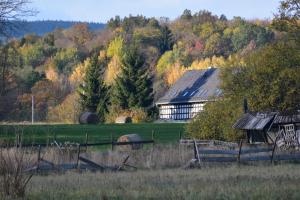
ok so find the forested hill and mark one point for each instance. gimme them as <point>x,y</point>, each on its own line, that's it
<point>42,27</point>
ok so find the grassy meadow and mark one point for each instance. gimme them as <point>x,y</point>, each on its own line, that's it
<point>231,182</point>
<point>163,132</point>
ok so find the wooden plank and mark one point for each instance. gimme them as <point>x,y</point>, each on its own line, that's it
<point>287,157</point>
<point>91,163</point>
<point>256,150</point>
<point>218,159</point>
<point>256,158</point>
<point>218,152</point>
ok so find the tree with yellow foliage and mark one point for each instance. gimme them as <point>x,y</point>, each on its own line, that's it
<point>115,52</point>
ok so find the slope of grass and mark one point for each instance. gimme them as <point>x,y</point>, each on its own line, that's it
<point>234,182</point>
<point>39,133</point>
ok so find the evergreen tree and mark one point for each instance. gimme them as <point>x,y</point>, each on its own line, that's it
<point>133,88</point>
<point>93,92</point>
<point>166,42</point>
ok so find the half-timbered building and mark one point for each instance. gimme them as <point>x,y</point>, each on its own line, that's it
<point>187,97</point>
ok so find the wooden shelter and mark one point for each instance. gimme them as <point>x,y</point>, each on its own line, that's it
<point>258,126</point>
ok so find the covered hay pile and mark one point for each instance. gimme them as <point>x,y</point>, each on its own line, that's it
<point>130,138</point>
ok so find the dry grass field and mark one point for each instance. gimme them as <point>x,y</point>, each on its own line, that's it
<point>161,175</point>
<point>231,182</point>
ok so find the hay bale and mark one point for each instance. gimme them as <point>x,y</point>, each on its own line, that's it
<point>130,138</point>
<point>123,120</point>
<point>88,118</point>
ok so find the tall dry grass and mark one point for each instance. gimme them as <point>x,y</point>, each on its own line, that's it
<point>233,182</point>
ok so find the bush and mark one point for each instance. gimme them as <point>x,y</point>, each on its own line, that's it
<point>215,122</point>
<point>67,112</point>
<point>137,115</point>
<point>13,179</point>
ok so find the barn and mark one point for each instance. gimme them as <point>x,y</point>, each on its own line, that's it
<point>189,94</point>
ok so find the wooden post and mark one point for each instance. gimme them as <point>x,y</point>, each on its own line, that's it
<point>78,155</point>
<point>112,141</point>
<point>38,158</point>
<point>20,141</point>
<point>240,151</point>
<point>152,137</point>
<point>273,150</point>
<point>17,140</point>
<point>180,136</point>
<point>196,152</point>
<point>47,142</point>
<point>86,141</point>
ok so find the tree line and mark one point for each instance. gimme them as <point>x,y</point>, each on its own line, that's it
<point>124,68</point>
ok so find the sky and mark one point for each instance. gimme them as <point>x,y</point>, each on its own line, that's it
<point>103,10</point>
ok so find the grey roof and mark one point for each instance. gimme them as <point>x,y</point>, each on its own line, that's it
<point>255,121</point>
<point>194,86</point>
<point>287,119</point>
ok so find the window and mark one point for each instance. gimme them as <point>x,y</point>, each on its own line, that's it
<point>186,93</point>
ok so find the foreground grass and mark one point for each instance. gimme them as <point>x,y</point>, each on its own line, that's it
<point>244,182</point>
<point>164,132</point>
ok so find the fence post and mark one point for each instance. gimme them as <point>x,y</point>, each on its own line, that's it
<point>47,142</point>
<point>180,136</point>
<point>152,137</point>
<point>273,150</point>
<point>86,141</point>
<point>78,154</point>
<point>196,152</point>
<point>38,158</point>
<point>240,151</point>
<point>20,141</point>
<point>16,140</point>
<point>112,141</point>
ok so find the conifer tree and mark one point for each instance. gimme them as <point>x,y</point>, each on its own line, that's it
<point>133,88</point>
<point>166,42</point>
<point>93,92</point>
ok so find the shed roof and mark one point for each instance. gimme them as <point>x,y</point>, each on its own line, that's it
<point>194,86</point>
<point>287,119</point>
<point>255,121</point>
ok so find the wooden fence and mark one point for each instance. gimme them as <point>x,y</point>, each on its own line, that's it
<point>206,152</point>
<point>109,142</point>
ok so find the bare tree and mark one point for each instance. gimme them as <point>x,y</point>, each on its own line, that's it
<point>10,11</point>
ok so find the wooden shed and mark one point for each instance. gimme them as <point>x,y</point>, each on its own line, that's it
<point>256,125</point>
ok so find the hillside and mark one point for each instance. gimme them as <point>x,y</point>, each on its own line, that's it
<point>75,68</point>
<point>42,27</point>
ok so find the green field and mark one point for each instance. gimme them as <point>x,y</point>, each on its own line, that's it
<point>163,132</point>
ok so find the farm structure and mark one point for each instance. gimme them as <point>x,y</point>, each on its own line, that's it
<point>260,126</point>
<point>189,94</point>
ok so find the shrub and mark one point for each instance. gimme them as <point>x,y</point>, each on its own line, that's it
<point>215,122</point>
<point>13,180</point>
<point>67,112</point>
<point>137,115</point>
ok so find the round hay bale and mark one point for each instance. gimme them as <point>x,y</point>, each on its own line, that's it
<point>88,118</point>
<point>123,120</point>
<point>130,138</point>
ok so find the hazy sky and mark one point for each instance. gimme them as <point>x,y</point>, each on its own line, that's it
<point>101,10</point>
